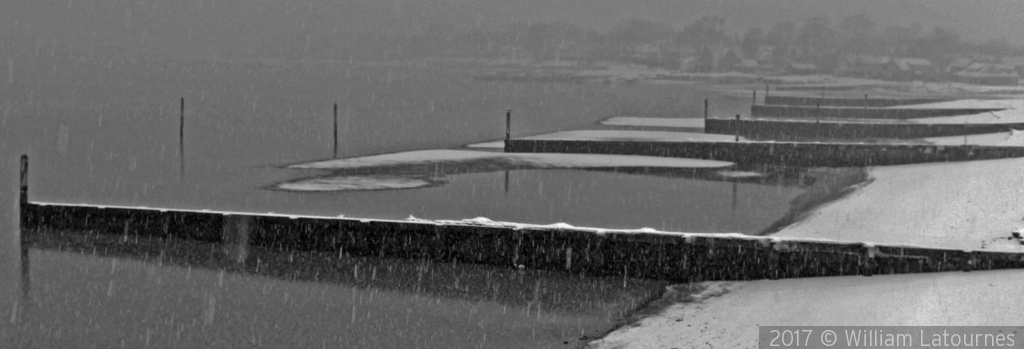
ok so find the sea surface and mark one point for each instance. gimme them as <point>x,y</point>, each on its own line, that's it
<point>105,130</point>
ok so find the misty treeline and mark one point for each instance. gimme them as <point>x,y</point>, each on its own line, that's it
<point>819,40</point>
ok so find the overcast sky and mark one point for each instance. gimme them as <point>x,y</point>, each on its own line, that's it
<point>269,27</point>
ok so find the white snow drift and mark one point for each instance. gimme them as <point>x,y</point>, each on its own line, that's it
<point>963,205</point>
<point>348,183</point>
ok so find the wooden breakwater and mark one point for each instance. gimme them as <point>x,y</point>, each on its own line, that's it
<point>794,130</point>
<point>847,102</point>
<point>641,254</point>
<point>802,154</point>
<point>653,255</point>
<point>788,111</point>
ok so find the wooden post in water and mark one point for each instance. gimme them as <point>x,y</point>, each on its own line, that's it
<point>736,129</point>
<point>181,140</point>
<point>335,130</point>
<point>705,110</point>
<point>23,198</point>
<point>755,98</point>
<point>766,91</point>
<point>23,214</point>
<point>26,276</point>
<point>508,128</point>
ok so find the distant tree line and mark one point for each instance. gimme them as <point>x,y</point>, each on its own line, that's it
<point>817,40</point>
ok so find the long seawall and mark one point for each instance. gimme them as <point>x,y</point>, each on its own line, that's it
<point>675,257</point>
<point>787,111</point>
<point>790,130</point>
<point>846,102</point>
<point>804,154</point>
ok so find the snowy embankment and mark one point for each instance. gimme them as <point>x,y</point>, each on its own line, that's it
<point>726,315</point>
<point>961,205</point>
<point>965,205</point>
<point>959,88</point>
<point>617,136</point>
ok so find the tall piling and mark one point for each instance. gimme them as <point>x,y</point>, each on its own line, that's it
<point>508,128</point>
<point>23,189</point>
<point>181,139</point>
<point>335,130</point>
<point>705,109</point>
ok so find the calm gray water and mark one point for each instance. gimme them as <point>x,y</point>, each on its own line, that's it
<point>105,132</point>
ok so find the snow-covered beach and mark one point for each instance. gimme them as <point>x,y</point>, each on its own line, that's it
<point>727,314</point>
<point>975,205</point>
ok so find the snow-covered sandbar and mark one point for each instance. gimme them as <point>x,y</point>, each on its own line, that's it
<point>353,183</point>
<point>532,160</point>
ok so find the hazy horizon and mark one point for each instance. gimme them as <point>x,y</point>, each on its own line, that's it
<point>273,28</point>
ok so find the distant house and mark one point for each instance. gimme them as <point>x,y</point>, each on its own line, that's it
<point>861,66</point>
<point>796,68</point>
<point>909,69</point>
<point>1017,62</point>
<point>989,74</point>
<point>959,64</point>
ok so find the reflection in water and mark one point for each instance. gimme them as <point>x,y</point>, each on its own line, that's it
<point>235,237</point>
<point>26,274</point>
<point>181,293</point>
<point>734,198</point>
